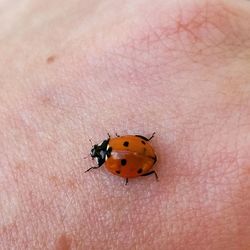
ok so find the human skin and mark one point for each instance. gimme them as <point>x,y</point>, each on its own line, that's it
<point>75,70</point>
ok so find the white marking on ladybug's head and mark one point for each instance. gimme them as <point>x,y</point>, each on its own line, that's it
<point>96,159</point>
<point>103,154</point>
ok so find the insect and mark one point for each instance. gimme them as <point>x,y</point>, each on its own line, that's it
<point>127,156</point>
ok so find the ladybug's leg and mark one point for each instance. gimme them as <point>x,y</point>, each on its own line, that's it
<point>92,168</point>
<point>146,139</point>
<point>152,136</point>
<point>126,182</point>
<point>151,172</point>
<point>117,135</point>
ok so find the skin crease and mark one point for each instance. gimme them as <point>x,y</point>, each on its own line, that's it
<point>75,70</point>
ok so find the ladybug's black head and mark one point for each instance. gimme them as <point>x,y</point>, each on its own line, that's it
<point>99,152</point>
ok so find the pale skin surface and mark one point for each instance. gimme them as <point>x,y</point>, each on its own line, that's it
<point>74,70</point>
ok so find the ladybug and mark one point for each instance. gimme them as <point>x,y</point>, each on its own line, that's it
<point>127,156</point>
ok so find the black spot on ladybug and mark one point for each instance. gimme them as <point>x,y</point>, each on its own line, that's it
<point>125,144</point>
<point>118,172</point>
<point>143,142</point>
<point>139,171</point>
<point>123,162</point>
<point>109,152</point>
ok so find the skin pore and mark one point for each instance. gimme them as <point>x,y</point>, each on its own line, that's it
<point>76,70</point>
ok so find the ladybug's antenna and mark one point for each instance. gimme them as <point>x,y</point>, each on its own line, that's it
<point>91,146</point>
<point>91,142</point>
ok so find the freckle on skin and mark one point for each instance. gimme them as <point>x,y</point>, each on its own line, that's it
<point>246,170</point>
<point>20,166</point>
<point>51,59</point>
<point>46,100</point>
<point>63,242</point>
<point>71,184</point>
<point>55,180</point>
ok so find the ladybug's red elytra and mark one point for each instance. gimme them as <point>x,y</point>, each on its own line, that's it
<point>127,156</point>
